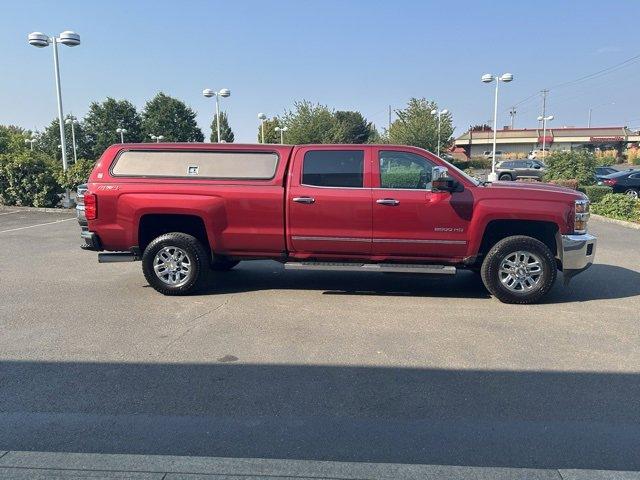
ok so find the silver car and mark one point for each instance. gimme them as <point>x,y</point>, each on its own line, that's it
<point>514,169</point>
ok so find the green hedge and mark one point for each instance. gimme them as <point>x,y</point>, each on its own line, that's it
<point>617,205</point>
<point>597,192</point>
<point>575,165</point>
<point>477,164</point>
<point>75,175</point>
<point>401,178</point>
<point>28,179</point>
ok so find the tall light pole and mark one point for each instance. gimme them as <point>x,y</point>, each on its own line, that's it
<point>262,117</point>
<point>278,129</point>
<point>157,138</point>
<point>439,113</point>
<point>121,131</point>
<point>488,78</point>
<point>31,141</point>
<point>597,106</point>
<point>72,121</point>
<point>70,39</point>
<point>544,121</point>
<point>225,92</point>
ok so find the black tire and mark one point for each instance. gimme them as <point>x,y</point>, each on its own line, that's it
<point>632,192</point>
<point>501,251</point>
<point>222,264</point>
<point>505,177</point>
<point>196,254</point>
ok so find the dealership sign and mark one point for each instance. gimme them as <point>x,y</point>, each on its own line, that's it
<point>606,139</point>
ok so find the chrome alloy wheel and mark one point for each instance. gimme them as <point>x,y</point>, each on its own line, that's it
<point>173,266</point>
<point>632,193</point>
<point>520,271</point>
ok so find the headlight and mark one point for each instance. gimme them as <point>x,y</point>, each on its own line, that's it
<point>581,216</point>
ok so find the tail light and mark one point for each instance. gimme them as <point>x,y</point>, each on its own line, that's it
<point>609,181</point>
<point>581,216</point>
<point>90,206</point>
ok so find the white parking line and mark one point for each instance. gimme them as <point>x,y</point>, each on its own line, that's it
<point>38,225</point>
<point>9,213</point>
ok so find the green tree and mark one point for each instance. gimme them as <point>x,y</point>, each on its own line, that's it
<point>12,139</point>
<point>49,139</point>
<point>417,126</point>
<point>104,118</point>
<point>171,118</point>
<point>226,134</point>
<point>351,127</point>
<point>270,134</point>
<point>308,123</point>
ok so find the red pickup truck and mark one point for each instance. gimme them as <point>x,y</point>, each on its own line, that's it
<point>185,209</point>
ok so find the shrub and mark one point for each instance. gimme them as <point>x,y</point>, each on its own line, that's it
<point>596,192</point>
<point>475,163</point>
<point>633,156</point>
<point>401,178</point>
<point>617,205</point>
<point>571,183</point>
<point>577,165</point>
<point>27,179</point>
<point>606,157</point>
<point>76,174</point>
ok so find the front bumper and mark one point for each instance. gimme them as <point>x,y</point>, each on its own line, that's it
<point>577,254</point>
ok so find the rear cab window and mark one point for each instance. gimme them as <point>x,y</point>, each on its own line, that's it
<point>333,168</point>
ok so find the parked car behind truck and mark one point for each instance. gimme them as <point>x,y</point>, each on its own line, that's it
<point>184,209</point>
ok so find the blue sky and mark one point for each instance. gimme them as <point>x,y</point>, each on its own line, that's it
<point>361,55</point>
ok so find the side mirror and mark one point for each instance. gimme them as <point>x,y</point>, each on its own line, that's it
<point>442,182</point>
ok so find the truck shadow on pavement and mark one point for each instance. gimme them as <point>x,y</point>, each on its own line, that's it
<point>364,414</point>
<point>599,282</point>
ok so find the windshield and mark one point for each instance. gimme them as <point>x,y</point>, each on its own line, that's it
<point>473,180</point>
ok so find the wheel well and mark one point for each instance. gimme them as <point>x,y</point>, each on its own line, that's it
<point>498,229</point>
<point>153,225</point>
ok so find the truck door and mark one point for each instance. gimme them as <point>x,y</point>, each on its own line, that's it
<point>408,218</point>
<point>329,200</point>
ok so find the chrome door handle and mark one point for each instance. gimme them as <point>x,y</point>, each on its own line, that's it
<point>388,201</point>
<point>306,200</point>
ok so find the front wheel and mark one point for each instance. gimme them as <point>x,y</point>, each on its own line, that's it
<point>519,269</point>
<point>175,264</point>
<point>633,193</point>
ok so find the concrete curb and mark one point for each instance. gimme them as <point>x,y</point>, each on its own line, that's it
<point>6,208</point>
<point>622,223</point>
<point>24,465</point>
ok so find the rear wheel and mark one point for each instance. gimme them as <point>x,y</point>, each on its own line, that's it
<point>175,264</point>
<point>505,177</point>
<point>632,192</point>
<point>519,269</point>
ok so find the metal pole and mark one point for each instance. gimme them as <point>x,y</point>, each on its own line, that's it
<point>281,137</point>
<point>495,126</point>
<point>218,115</point>
<point>262,129</point>
<point>73,139</point>
<point>121,136</point>
<point>67,199</point>
<point>589,124</point>
<point>544,136</point>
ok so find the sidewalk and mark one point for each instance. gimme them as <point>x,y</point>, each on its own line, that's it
<point>40,465</point>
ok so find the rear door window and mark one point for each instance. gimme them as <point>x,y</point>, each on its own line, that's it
<point>333,168</point>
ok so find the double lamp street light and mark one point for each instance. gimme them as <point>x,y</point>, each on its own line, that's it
<point>208,93</point>
<point>70,39</point>
<point>488,78</point>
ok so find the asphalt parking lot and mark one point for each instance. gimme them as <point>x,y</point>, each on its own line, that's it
<point>316,365</point>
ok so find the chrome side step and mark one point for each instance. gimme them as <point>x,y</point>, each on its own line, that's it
<point>117,257</point>
<point>372,267</point>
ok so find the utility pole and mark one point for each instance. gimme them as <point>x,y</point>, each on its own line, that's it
<point>512,114</point>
